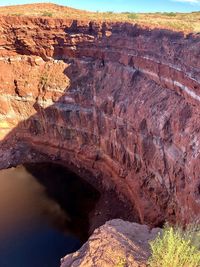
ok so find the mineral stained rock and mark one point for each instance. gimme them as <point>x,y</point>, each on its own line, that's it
<point>117,103</point>
<point>117,243</point>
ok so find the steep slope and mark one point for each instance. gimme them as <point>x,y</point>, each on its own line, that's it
<point>116,103</point>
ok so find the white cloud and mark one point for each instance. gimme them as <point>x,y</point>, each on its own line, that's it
<point>188,1</point>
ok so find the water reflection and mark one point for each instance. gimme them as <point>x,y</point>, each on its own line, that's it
<point>31,216</point>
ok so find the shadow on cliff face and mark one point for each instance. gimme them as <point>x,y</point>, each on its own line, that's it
<point>71,132</point>
<point>94,148</point>
<point>74,195</point>
<point>91,130</point>
<point>66,133</point>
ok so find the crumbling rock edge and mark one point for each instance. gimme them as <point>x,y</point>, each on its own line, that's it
<point>116,241</point>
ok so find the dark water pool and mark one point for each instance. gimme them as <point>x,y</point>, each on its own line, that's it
<point>40,246</point>
<point>43,214</point>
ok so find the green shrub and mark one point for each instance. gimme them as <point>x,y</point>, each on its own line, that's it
<point>47,14</point>
<point>169,14</point>
<point>109,12</point>
<point>16,14</point>
<point>176,248</point>
<point>126,13</point>
<point>132,16</point>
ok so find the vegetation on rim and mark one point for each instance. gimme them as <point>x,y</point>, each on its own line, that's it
<point>187,22</point>
<point>176,248</point>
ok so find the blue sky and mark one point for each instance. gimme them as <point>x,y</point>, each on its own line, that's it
<point>122,5</point>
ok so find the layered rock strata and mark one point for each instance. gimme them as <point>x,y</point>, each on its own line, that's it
<point>116,103</point>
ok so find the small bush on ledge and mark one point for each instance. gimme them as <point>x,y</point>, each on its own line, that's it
<point>132,16</point>
<point>47,14</point>
<point>176,248</point>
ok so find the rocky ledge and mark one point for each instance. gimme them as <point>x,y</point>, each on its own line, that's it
<point>117,243</point>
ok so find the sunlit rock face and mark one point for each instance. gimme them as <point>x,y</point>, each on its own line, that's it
<point>116,103</point>
<point>122,243</point>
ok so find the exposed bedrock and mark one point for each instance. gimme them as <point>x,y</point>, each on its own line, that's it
<point>122,244</point>
<point>117,103</point>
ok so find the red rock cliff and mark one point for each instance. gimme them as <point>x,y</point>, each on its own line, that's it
<point>115,102</point>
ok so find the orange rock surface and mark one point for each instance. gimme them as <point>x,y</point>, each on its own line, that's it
<point>116,103</point>
<point>117,243</point>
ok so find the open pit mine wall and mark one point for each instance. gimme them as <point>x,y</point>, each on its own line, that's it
<point>117,103</point>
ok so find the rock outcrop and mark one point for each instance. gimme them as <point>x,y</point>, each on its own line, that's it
<point>117,243</point>
<point>116,103</point>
